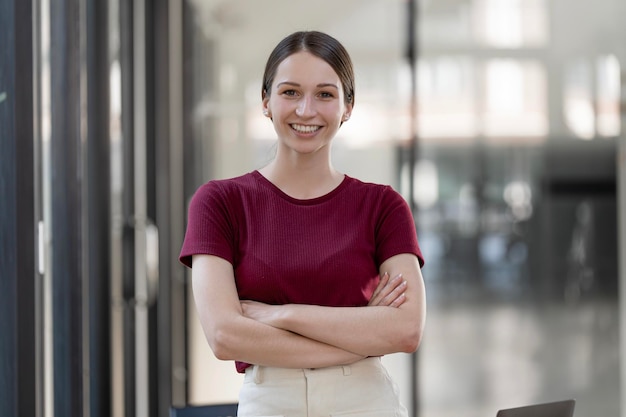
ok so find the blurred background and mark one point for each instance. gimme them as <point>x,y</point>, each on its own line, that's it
<point>500,121</point>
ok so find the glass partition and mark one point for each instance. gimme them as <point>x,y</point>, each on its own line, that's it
<point>518,115</point>
<point>519,123</point>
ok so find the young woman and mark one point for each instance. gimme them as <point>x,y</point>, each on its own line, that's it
<point>303,275</point>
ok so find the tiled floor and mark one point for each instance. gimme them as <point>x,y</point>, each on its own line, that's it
<point>481,356</point>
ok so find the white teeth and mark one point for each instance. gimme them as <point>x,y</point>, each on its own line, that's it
<point>305,129</point>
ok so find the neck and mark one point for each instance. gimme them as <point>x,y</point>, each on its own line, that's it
<point>304,179</point>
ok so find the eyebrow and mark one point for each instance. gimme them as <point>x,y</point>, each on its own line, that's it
<point>321,85</point>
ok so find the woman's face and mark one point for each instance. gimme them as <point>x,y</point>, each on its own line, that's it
<point>306,103</point>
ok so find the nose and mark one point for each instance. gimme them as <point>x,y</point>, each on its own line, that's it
<point>306,107</point>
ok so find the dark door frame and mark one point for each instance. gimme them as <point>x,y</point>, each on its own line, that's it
<point>18,385</point>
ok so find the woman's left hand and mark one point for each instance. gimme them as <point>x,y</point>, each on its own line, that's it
<point>389,292</point>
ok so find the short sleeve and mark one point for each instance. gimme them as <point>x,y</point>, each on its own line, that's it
<point>395,230</point>
<point>210,228</point>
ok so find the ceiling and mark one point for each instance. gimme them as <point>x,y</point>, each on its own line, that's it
<point>247,30</point>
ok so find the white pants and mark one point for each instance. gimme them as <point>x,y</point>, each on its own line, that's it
<point>362,389</point>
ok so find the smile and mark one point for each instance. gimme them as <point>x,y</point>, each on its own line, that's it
<point>304,128</point>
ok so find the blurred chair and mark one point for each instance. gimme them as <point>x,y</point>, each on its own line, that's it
<point>216,410</point>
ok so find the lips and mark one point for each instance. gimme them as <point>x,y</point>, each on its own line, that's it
<point>305,128</point>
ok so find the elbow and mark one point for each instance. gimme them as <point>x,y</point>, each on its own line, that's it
<point>221,352</point>
<point>221,345</point>
<point>414,331</point>
<point>411,340</point>
<point>223,337</point>
<point>411,345</point>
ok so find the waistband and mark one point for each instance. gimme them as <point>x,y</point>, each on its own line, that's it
<point>259,373</point>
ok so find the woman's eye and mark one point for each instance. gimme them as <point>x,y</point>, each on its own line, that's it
<point>326,94</point>
<point>289,92</point>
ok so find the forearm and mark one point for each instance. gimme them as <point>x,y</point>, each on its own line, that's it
<point>232,336</point>
<point>253,342</point>
<point>368,331</point>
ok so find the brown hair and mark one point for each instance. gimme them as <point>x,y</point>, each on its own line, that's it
<point>322,46</point>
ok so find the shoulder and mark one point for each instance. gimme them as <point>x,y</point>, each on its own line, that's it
<point>225,187</point>
<point>386,204</point>
<point>222,193</point>
<point>373,190</point>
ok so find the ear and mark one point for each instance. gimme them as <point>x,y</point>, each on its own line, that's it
<point>347,113</point>
<point>266,107</point>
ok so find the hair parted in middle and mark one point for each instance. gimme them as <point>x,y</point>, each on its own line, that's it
<point>322,46</point>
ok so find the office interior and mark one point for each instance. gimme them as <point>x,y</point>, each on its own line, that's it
<point>502,122</point>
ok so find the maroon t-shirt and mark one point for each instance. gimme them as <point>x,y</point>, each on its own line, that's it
<point>322,251</point>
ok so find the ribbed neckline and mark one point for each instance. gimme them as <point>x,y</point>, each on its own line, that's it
<point>303,202</point>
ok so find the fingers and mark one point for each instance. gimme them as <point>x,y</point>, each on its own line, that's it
<point>376,296</point>
<point>398,301</point>
<point>389,292</point>
<point>396,295</point>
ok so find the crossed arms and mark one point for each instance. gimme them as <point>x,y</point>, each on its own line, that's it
<point>308,336</point>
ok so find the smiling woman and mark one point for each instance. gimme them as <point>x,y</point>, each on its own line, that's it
<point>303,275</point>
<point>307,106</point>
<point>308,92</point>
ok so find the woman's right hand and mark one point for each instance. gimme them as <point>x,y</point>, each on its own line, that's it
<point>389,292</point>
